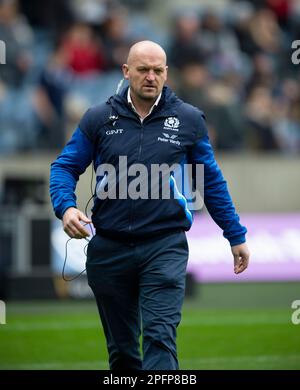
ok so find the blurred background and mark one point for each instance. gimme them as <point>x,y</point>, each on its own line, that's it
<point>232,59</point>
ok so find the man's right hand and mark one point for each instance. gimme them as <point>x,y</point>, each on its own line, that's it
<point>71,222</point>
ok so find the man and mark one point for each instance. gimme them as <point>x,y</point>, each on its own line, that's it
<point>136,262</point>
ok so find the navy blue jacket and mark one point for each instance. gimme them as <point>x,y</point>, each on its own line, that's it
<point>174,132</point>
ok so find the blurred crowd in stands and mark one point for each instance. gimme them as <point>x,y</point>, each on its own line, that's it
<point>233,62</point>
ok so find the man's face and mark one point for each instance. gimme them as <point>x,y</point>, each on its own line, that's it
<point>147,74</point>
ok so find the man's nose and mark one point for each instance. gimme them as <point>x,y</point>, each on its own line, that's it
<point>151,76</point>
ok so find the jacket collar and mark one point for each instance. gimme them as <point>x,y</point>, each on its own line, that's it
<point>167,105</point>
<point>130,102</point>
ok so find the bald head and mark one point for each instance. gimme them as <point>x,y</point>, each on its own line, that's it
<point>146,71</point>
<point>146,49</point>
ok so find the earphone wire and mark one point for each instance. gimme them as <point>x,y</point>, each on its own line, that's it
<point>85,248</point>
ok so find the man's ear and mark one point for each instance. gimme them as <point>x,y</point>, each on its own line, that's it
<point>125,71</point>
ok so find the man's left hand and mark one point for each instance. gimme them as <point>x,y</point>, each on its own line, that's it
<point>241,256</point>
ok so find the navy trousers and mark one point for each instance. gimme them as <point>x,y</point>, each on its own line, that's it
<point>139,286</point>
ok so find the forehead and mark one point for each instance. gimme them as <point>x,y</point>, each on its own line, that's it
<point>149,59</point>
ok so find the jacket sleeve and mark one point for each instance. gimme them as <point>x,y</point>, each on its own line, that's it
<point>66,169</point>
<point>216,195</point>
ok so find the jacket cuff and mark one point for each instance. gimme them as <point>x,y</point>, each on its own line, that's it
<point>59,213</point>
<point>237,240</point>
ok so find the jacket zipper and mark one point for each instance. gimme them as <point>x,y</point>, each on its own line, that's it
<point>141,141</point>
<point>138,159</point>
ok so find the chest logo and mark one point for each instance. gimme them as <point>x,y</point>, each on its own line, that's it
<point>169,138</point>
<point>171,123</point>
<point>114,131</point>
<point>173,136</point>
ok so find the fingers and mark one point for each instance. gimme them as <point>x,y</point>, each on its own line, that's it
<point>240,263</point>
<point>71,232</point>
<point>241,256</point>
<point>240,267</point>
<point>80,229</point>
<point>76,230</point>
<point>236,263</point>
<point>73,227</point>
<point>84,218</point>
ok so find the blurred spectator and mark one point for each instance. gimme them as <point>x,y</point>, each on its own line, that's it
<point>194,83</point>
<point>281,9</point>
<point>219,103</point>
<point>185,43</point>
<point>54,83</point>
<point>116,39</point>
<point>257,31</point>
<point>224,113</point>
<point>92,12</point>
<point>241,16</point>
<point>50,15</point>
<point>287,130</point>
<point>260,117</point>
<point>84,53</point>
<point>287,125</point>
<point>17,35</point>
<point>265,32</point>
<point>220,45</point>
<point>263,72</point>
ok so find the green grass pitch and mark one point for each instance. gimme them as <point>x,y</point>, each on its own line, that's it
<point>248,335</point>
